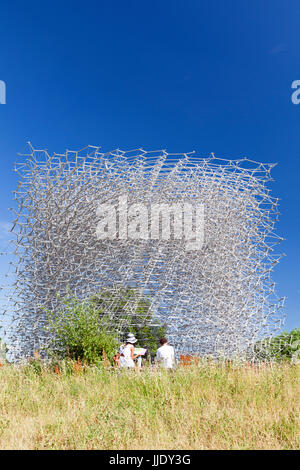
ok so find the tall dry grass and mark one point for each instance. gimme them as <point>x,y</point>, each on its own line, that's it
<point>204,407</point>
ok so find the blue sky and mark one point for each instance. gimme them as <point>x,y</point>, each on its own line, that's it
<point>209,76</point>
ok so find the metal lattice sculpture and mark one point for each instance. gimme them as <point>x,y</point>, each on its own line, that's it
<point>218,299</point>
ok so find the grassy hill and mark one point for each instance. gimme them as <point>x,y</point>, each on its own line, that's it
<point>204,407</point>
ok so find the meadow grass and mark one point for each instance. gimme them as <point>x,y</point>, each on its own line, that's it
<point>200,407</point>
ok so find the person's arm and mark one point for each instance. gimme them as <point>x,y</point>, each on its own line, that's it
<point>134,356</point>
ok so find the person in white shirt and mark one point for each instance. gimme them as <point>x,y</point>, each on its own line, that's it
<point>165,355</point>
<point>126,353</point>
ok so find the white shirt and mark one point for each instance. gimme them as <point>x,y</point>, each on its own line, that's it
<point>165,356</point>
<point>126,361</point>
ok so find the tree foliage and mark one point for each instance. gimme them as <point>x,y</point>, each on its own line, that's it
<point>285,346</point>
<point>78,331</point>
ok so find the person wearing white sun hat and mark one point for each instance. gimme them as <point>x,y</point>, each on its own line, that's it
<point>127,353</point>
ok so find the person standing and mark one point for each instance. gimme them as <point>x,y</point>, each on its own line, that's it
<point>127,355</point>
<point>165,355</point>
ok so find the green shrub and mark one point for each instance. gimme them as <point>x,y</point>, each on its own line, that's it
<point>78,331</point>
<point>285,346</point>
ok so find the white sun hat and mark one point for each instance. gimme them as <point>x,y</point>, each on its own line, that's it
<point>131,338</point>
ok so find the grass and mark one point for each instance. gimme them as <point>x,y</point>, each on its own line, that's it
<point>203,407</point>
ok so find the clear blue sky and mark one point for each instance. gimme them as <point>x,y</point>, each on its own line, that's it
<point>210,76</point>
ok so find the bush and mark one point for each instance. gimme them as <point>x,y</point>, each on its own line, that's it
<point>285,346</point>
<point>77,331</point>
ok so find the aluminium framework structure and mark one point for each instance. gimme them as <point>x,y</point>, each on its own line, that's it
<point>218,299</point>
